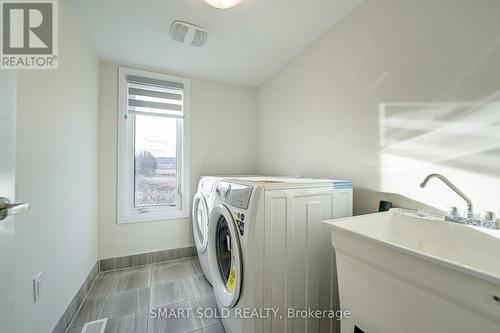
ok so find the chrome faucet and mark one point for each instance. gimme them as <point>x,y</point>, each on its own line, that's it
<point>470,212</point>
<point>487,220</point>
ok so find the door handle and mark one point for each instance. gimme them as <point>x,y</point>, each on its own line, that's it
<point>7,208</point>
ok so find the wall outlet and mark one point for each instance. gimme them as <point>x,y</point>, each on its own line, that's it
<point>37,287</point>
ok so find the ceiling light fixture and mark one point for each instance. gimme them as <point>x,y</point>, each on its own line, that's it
<point>223,4</point>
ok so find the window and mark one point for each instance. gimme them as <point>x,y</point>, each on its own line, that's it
<point>153,169</point>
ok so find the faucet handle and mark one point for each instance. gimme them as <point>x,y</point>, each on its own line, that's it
<point>489,216</point>
<point>489,220</point>
<point>453,212</point>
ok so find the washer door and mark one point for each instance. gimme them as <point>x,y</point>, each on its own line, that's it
<point>225,256</point>
<point>200,222</point>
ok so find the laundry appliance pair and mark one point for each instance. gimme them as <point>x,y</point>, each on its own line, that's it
<point>267,253</point>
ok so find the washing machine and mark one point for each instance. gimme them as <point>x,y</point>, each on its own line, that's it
<point>203,202</point>
<point>268,252</point>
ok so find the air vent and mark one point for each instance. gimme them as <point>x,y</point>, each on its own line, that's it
<point>188,33</point>
<point>97,326</point>
<point>200,37</point>
<point>178,31</point>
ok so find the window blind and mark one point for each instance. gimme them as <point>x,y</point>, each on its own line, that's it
<point>155,97</point>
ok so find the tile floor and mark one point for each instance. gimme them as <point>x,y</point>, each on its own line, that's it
<point>126,297</point>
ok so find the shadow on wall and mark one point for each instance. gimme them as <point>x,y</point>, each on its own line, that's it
<point>385,100</point>
<point>459,140</point>
<point>456,134</point>
<point>366,201</point>
<point>465,136</point>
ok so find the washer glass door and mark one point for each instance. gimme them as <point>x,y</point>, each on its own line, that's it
<point>225,257</point>
<point>200,221</point>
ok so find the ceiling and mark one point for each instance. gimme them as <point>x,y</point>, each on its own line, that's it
<point>246,44</point>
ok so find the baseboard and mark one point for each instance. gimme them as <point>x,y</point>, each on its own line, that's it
<point>113,264</point>
<point>146,258</point>
<point>73,307</point>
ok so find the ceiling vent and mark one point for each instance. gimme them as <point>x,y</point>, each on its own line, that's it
<point>188,33</point>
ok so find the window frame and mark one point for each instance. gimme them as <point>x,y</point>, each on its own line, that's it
<point>126,211</point>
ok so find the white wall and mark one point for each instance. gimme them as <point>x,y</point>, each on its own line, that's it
<point>222,128</point>
<point>8,109</point>
<point>395,91</point>
<point>57,175</point>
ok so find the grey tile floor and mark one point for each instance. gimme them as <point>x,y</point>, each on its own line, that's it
<point>126,297</point>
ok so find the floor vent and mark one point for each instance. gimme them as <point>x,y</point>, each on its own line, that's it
<point>97,326</point>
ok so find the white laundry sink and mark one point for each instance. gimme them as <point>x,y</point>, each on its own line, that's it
<point>400,272</point>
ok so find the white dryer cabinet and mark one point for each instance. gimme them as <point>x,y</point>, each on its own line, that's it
<point>299,262</point>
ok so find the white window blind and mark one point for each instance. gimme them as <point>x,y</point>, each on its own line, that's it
<point>153,96</point>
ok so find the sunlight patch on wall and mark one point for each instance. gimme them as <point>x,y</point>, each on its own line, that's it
<point>458,140</point>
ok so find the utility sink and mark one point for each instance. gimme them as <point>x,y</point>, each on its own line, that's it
<point>400,271</point>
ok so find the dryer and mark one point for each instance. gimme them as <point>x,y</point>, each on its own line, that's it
<point>268,249</point>
<point>203,202</point>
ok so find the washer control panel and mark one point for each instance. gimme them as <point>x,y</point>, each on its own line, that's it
<point>239,217</point>
<point>234,194</point>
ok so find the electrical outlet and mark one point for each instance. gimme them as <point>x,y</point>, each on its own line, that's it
<point>37,287</point>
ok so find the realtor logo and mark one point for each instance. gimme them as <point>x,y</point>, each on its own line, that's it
<point>29,34</point>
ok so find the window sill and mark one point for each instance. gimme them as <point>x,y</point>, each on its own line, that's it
<point>153,217</point>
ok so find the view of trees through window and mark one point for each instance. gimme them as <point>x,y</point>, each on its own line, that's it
<point>155,161</point>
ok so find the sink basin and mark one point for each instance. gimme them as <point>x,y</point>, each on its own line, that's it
<point>402,272</point>
<point>472,250</point>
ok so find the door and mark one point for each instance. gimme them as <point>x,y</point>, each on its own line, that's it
<point>200,222</point>
<point>8,95</point>
<point>225,256</point>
